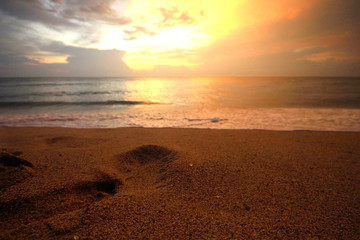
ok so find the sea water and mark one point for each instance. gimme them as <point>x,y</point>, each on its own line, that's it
<point>274,103</point>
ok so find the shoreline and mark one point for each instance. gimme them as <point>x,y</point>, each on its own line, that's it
<point>182,128</point>
<point>178,183</point>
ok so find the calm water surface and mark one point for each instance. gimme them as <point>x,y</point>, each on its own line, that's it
<point>221,103</point>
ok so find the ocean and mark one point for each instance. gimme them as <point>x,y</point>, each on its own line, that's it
<point>271,103</point>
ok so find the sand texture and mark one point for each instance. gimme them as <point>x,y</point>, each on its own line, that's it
<point>133,183</point>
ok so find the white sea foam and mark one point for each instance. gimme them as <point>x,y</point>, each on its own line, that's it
<point>270,119</point>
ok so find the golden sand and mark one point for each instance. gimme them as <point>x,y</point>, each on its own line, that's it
<point>131,183</point>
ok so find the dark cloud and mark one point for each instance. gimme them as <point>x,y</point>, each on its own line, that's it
<point>331,16</point>
<point>20,41</point>
<point>90,10</point>
<point>8,59</point>
<point>33,10</point>
<point>91,62</point>
<point>323,40</point>
<point>81,62</point>
<point>15,44</point>
<point>328,17</point>
<point>332,24</point>
<point>63,12</point>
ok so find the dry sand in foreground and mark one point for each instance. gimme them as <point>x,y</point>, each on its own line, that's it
<point>131,183</point>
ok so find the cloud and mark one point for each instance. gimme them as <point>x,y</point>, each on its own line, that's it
<point>135,31</point>
<point>15,43</point>
<point>331,56</point>
<point>27,26</point>
<point>33,10</point>
<point>25,49</point>
<point>92,10</point>
<point>8,59</point>
<point>92,62</point>
<point>301,37</point>
<point>69,13</point>
<point>81,62</point>
<point>174,16</point>
<point>320,40</point>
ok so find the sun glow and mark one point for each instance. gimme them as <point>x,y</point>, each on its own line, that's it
<point>167,33</point>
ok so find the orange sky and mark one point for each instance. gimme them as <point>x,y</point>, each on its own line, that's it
<point>180,37</point>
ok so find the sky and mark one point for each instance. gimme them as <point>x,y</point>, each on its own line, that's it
<point>179,38</point>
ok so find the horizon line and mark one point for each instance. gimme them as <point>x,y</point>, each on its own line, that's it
<point>214,76</point>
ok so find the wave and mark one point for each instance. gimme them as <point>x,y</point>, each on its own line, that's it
<point>60,94</point>
<point>284,119</point>
<point>61,103</point>
<point>39,84</point>
<point>213,120</point>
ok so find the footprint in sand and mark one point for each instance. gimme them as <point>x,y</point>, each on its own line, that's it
<point>145,167</point>
<point>63,210</point>
<point>70,202</point>
<point>13,169</point>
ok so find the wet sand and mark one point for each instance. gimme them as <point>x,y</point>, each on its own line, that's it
<point>134,183</point>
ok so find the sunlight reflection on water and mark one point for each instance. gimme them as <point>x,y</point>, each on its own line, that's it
<point>231,103</point>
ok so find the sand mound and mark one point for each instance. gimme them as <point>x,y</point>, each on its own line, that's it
<point>149,154</point>
<point>13,170</point>
<point>59,139</point>
<point>10,160</point>
<point>144,167</point>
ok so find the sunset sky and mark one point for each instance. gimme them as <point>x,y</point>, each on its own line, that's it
<point>179,38</point>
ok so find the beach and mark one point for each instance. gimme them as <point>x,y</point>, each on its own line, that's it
<point>172,183</point>
<point>179,120</point>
